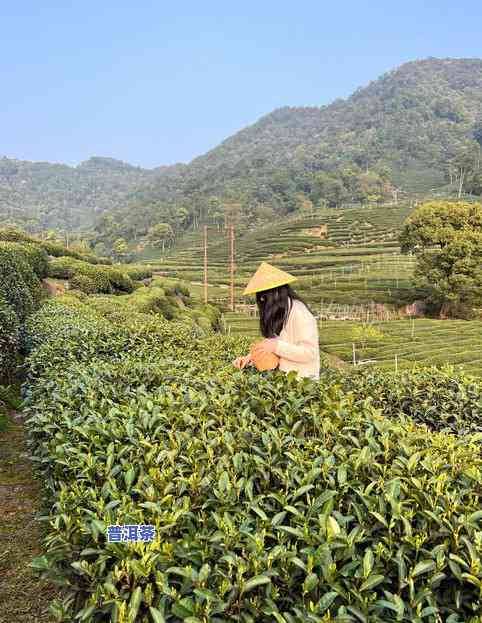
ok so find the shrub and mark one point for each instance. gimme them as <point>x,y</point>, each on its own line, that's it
<point>9,339</point>
<point>137,272</point>
<point>443,399</point>
<point>177,289</point>
<point>67,268</point>
<point>274,498</point>
<point>10,234</point>
<point>37,258</point>
<point>83,283</point>
<point>106,279</point>
<point>119,280</point>
<point>19,285</point>
<point>457,309</point>
<point>56,249</point>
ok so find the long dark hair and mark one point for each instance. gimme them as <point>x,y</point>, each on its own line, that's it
<point>274,307</point>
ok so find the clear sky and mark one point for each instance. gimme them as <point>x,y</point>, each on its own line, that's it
<point>160,82</point>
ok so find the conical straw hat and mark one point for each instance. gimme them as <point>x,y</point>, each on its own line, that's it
<point>267,277</point>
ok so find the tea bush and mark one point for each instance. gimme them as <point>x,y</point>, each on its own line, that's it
<point>9,339</point>
<point>19,284</point>
<point>20,295</point>
<point>137,272</point>
<point>84,284</point>
<point>119,280</point>
<point>442,398</point>
<point>37,259</point>
<point>274,498</point>
<point>10,234</point>
<point>105,279</point>
<point>55,249</point>
<point>29,247</point>
<point>153,300</point>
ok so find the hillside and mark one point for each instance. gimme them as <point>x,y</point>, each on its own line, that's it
<point>51,195</point>
<point>415,128</point>
<point>417,115</point>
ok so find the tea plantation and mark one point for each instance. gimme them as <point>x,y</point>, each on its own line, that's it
<point>274,498</point>
<point>421,341</point>
<point>358,261</point>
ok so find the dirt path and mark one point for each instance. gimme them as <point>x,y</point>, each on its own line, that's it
<point>23,598</point>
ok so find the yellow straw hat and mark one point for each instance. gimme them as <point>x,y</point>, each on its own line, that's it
<point>267,277</point>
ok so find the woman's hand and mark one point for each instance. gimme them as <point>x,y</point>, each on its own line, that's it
<point>241,362</point>
<point>266,346</point>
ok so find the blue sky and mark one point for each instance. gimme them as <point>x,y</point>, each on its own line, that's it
<point>160,82</point>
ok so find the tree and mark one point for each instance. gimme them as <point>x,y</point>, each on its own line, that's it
<point>81,246</point>
<point>303,203</point>
<point>159,234</point>
<point>329,188</point>
<point>120,248</point>
<point>467,166</point>
<point>215,210</point>
<point>447,239</point>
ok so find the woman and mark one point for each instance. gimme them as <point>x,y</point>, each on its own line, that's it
<point>288,326</point>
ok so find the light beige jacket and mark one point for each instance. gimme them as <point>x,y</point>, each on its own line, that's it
<point>297,345</point>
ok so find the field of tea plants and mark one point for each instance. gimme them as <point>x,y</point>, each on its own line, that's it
<point>353,499</point>
<point>432,342</point>
<point>30,267</point>
<point>417,341</point>
<point>274,498</point>
<point>359,260</point>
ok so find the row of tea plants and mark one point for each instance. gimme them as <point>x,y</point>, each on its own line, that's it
<point>22,266</point>
<point>274,498</point>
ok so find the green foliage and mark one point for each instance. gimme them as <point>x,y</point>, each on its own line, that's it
<point>119,280</point>
<point>11,234</point>
<point>364,332</point>
<point>84,284</point>
<point>447,238</point>
<point>20,293</point>
<point>50,247</point>
<point>56,249</point>
<point>137,272</point>
<point>405,128</point>
<point>19,285</point>
<point>167,302</point>
<point>37,258</point>
<point>274,498</point>
<point>443,399</point>
<point>103,279</point>
<point>9,339</point>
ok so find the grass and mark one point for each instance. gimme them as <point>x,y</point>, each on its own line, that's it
<point>23,596</point>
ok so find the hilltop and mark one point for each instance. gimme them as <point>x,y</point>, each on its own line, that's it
<point>414,128</point>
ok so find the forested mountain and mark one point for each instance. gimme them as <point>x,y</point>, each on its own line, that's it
<point>415,128</point>
<point>53,195</point>
<point>416,117</point>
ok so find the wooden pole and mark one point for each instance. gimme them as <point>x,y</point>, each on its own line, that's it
<point>205,264</point>
<point>232,266</point>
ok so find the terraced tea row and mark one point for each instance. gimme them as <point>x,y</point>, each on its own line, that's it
<point>272,497</point>
<point>421,341</point>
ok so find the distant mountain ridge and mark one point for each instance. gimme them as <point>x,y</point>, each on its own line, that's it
<point>403,129</point>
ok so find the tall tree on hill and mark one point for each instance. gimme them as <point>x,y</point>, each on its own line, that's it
<point>447,240</point>
<point>215,211</point>
<point>120,249</point>
<point>467,166</point>
<point>159,234</point>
